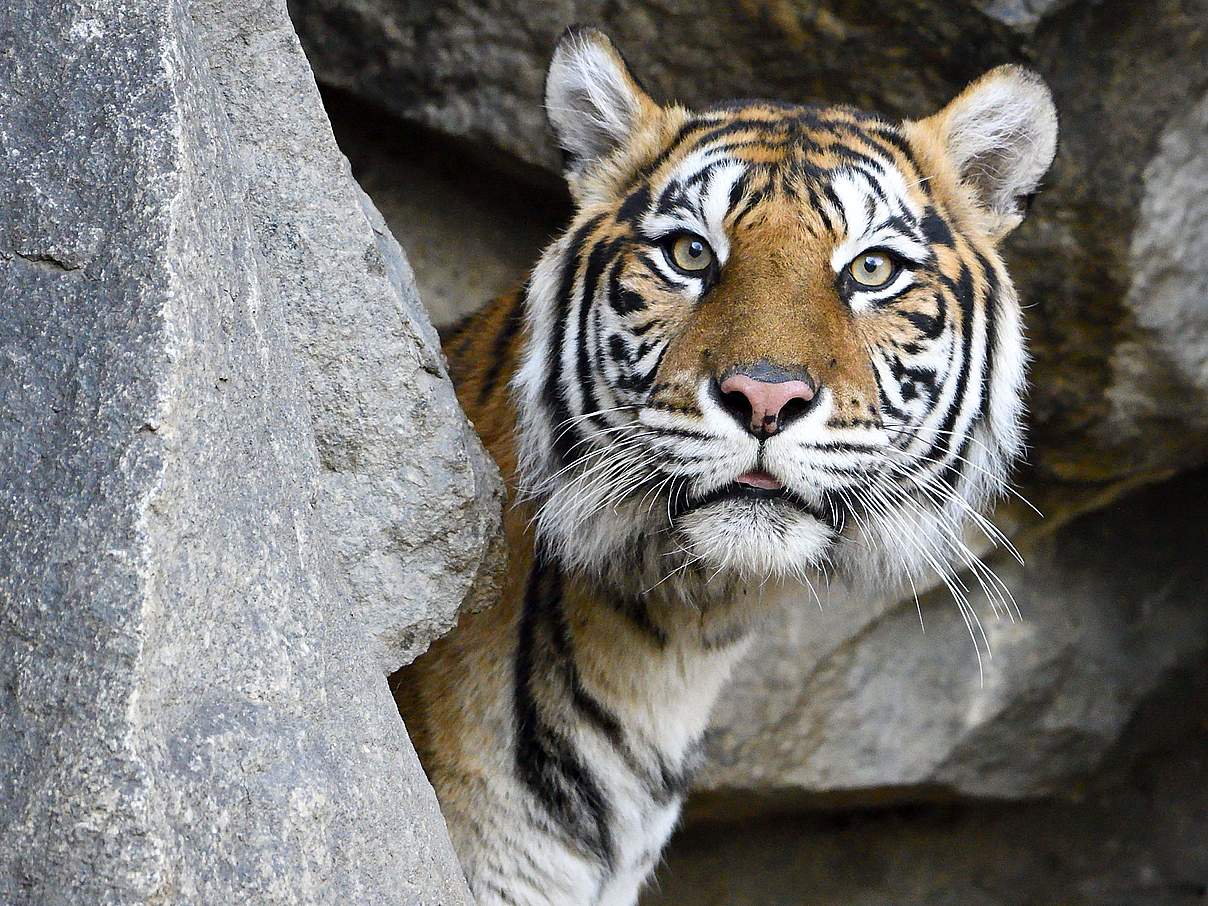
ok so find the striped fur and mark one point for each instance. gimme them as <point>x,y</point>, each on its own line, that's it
<point>561,727</point>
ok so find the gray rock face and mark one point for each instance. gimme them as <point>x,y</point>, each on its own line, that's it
<point>1124,75</point>
<point>1134,836</point>
<point>860,704</point>
<point>408,523</point>
<point>1168,299</point>
<point>470,234</point>
<point>1023,15</point>
<point>234,487</point>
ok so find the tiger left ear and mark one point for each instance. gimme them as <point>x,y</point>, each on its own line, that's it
<point>593,102</point>
<point>1000,133</point>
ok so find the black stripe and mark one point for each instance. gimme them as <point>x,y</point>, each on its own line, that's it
<point>691,126</point>
<point>886,133</point>
<point>634,205</point>
<point>816,204</point>
<point>638,382</point>
<point>597,260</point>
<point>657,272</point>
<point>858,160</point>
<point>641,329</point>
<point>637,611</point>
<point>962,289</point>
<point>623,300</point>
<point>592,709</point>
<point>991,302</point>
<point>565,439</point>
<point>936,229</point>
<point>829,192</point>
<point>930,327</point>
<point>748,205</point>
<point>546,761</point>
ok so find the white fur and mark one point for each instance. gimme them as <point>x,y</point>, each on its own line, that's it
<point>1001,133</point>
<point>589,97</point>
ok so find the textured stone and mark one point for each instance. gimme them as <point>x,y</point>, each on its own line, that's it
<point>1132,836</point>
<point>859,704</point>
<point>1161,370</point>
<point>1124,75</point>
<point>409,519</point>
<point>1023,15</point>
<point>200,310</point>
<point>471,232</point>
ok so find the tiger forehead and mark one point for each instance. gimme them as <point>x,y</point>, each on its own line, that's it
<point>716,171</point>
<point>806,142</point>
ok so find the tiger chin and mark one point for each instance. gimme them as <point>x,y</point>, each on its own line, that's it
<point>777,345</point>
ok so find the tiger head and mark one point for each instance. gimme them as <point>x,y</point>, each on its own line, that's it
<point>776,340</point>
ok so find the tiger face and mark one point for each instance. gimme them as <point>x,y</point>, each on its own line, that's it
<point>776,340</point>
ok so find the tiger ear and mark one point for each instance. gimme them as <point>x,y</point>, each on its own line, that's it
<point>1001,135</point>
<point>592,99</point>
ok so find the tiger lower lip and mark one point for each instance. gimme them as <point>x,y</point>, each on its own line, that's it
<point>757,478</point>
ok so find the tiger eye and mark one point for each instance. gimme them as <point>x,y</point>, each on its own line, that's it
<point>691,253</point>
<point>872,269</point>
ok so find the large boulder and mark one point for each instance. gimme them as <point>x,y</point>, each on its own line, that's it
<point>865,703</point>
<point>235,489</point>
<point>1135,835</point>
<point>1110,263</point>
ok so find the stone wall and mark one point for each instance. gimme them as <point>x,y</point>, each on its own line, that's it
<point>235,488</point>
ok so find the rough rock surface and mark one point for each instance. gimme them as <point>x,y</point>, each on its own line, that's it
<point>470,232</point>
<point>1127,78</point>
<point>861,704</point>
<point>209,352</point>
<point>1132,837</point>
<point>409,524</point>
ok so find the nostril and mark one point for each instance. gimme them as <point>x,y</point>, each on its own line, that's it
<point>795,408</point>
<point>737,404</point>
<point>764,407</point>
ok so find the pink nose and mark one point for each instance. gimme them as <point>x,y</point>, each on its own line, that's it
<point>765,407</point>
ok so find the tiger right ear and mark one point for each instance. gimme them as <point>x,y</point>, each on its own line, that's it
<point>592,100</point>
<point>1001,135</point>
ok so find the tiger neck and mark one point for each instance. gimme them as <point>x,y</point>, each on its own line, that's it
<point>645,671</point>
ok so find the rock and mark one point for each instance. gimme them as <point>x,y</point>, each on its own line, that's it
<point>1135,835</point>
<point>1167,354</point>
<point>225,433</point>
<point>471,232</point>
<point>409,524</point>
<point>1127,78</point>
<point>859,704</point>
<point>475,69</point>
<point>1023,15</point>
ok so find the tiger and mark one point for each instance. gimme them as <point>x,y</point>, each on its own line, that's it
<point>776,346</point>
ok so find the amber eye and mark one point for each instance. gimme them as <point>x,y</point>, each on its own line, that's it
<point>872,269</point>
<point>690,253</point>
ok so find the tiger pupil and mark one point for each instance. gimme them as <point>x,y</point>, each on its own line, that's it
<point>695,249</point>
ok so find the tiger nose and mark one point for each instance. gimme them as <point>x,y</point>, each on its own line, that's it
<point>766,399</point>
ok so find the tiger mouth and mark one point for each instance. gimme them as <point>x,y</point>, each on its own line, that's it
<point>737,491</point>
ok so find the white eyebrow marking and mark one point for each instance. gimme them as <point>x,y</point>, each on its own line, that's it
<point>864,228</point>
